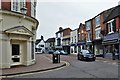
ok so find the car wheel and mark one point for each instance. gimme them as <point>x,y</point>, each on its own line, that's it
<point>94,59</point>
<point>78,57</point>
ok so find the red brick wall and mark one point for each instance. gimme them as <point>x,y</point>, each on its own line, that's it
<point>28,6</point>
<point>66,32</point>
<point>6,5</point>
<point>117,23</point>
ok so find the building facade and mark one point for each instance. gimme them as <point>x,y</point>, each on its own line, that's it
<point>66,40</point>
<point>17,32</point>
<point>81,37</point>
<point>74,41</point>
<point>111,40</point>
<point>40,45</point>
<point>50,44</point>
<point>89,35</point>
<point>58,38</point>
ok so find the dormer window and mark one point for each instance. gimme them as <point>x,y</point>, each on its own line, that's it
<point>111,26</point>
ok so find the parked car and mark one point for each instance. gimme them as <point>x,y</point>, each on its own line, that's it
<point>57,52</point>
<point>86,55</point>
<point>63,52</point>
<point>51,51</point>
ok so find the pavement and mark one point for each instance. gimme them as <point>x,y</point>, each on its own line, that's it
<point>43,63</point>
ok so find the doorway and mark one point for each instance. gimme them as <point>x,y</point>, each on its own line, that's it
<point>16,54</point>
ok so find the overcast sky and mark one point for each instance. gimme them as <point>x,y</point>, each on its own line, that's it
<point>53,14</point>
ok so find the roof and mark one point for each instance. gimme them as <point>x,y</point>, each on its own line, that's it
<point>62,30</point>
<point>105,13</point>
<point>114,13</point>
<point>37,41</point>
<point>50,40</point>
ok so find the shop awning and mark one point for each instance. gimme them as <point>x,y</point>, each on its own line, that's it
<point>111,39</point>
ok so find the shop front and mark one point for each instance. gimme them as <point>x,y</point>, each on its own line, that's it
<point>111,45</point>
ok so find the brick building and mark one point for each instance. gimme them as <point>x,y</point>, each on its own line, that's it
<point>17,32</point>
<point>81,37</point>
<point>66,40</point>
<point>111,40</point>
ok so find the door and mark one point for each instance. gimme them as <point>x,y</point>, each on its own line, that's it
<point>16,54</point>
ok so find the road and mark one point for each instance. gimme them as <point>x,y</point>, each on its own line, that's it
<point>80,69</point>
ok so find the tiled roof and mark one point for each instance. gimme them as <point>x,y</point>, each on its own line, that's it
<point>114,13</point>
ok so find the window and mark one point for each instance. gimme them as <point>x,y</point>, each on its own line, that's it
<point>0,4</point>
<point>17,5</point>
<point>33,8</point>
<point>32,50</point>
<point>88,37</point>
<point>97,33</point>
<point>88,25</point>
<point>79,36</point>
<point>75,39</point>
<point>82,36</point>
<point>111,26</point>
<point>97,20</point>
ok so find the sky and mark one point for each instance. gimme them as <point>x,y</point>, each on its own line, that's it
<point>53,14</point>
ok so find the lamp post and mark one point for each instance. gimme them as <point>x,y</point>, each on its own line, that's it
<point>23,11</point>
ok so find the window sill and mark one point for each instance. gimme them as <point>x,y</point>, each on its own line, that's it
<point>110,32</point>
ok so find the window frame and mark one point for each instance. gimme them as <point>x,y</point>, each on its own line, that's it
<point>97,21</point>
<point>110,27</point>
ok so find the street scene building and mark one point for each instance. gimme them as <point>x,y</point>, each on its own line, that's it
<point>73,41</point>
<point>111,40</point>
<point>18,27</point>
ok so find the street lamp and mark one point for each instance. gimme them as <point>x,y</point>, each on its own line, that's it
<point>23,11</point>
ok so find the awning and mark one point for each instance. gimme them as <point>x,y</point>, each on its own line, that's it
<point>111,39</point>
<point>75,44</point>
<point>80,43</point>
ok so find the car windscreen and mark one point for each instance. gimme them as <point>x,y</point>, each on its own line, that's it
<point>86,52</point>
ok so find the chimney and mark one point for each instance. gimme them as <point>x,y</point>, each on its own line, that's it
<point>60,28</point>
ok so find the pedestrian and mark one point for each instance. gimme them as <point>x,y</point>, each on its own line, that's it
<point>113,54</point>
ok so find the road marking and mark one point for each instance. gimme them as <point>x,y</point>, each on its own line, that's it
<point>67,64</point>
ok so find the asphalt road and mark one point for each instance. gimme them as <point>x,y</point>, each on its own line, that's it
<point>80,69</point>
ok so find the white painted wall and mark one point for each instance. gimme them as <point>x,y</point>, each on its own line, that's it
<point>8,22</point>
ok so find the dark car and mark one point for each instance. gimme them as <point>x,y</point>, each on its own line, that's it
<point>51,51</point>
<point>63,52</point>
<point>86,55</point>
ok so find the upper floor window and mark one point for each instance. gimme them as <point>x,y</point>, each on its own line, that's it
<point>33,8</point>
<point>97,33</point>
<point>75,39</point>
<point>111,26</point>
<point>82,36</point>
<point>88,25</point>
<point>0,4</point>
<point>88,37</point>
<point>16,5</point>
<point>97,21</point>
